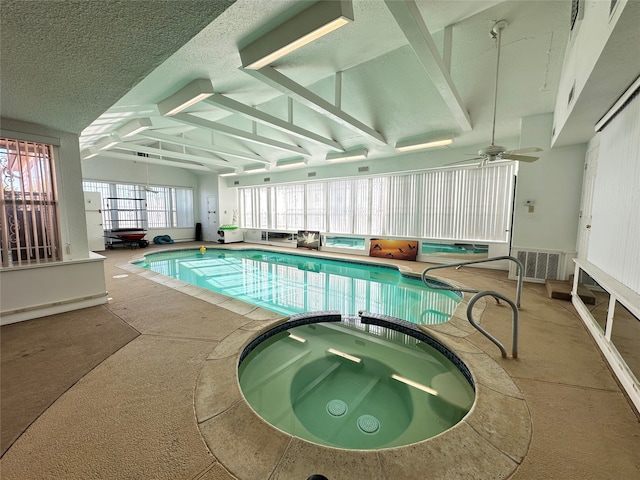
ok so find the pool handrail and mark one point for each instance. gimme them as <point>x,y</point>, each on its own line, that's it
<point>514,321</point>
<point>439,286</point>
<point>483,293</point>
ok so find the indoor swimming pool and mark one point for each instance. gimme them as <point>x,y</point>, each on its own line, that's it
<point>290,284</point>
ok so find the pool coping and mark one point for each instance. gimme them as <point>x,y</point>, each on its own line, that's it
<point>491,441</point>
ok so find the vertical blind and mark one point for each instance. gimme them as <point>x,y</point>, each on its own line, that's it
<point>28,204</point>
<point>614,244</point>
<point>471,204</point>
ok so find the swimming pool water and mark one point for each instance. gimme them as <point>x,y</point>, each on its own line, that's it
<point>290,284</point>
<point>343,386</point>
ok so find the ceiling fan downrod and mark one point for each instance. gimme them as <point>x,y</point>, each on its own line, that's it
<point>496,32</point>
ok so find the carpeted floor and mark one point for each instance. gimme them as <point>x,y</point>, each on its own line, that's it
<point>43,358</point>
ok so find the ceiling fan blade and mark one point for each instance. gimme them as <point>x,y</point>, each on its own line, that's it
<point>520,158</point>
<point>524,150</point>
<point>462,162</point>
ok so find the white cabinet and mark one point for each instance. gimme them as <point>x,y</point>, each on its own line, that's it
<point>93,214</point>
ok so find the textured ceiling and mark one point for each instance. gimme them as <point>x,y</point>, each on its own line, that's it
<point>64,63</point>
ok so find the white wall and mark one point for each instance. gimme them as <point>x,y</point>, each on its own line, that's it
<point>208,187</point>
<point>554,184</point>
<point>107,169</point>
<point>35,291</point>
<point>593,48</point>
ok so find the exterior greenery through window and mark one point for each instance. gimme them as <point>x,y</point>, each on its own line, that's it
<point>469,204</point>
<point>29,231</point>
<point>162,207</point>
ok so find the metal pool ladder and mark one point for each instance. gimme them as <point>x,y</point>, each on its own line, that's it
<point>437,285</point>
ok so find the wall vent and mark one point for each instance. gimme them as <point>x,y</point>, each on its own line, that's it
<point>311,174</point>
<point>236,182</point>
<point>538,265</point>
<point>267,179</point>
<point>363,169</point>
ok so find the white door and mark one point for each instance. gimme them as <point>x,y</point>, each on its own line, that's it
<point>586,203</point>
<point>211,234</point>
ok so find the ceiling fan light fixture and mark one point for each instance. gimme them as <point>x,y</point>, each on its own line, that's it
<point>312,23</point>
<point>292,162</point>
<point>189,95</point>
<point>134,127</point>
<point>412,145</point>
<point>350,156</point>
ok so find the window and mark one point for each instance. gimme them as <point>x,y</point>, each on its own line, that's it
<point>470,204</point>
<point>169,207</point>
<point>28,206</point>
<point>134,206</point>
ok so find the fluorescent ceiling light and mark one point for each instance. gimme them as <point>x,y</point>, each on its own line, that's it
<point>421,144</point>
<point>134,127</point>
<point>312,23</point>
<point>417,385</point>
<point>227,173</point>
<point>293,162</point>
<point>360,154</point>
<point>105,143</point>
<point>188,95</point>
<point>255,168</point>
<point>88,153</point>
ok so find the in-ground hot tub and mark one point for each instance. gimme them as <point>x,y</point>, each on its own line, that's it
<point>351,384</point>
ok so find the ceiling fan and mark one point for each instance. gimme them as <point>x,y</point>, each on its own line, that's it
<point>146,187</point>
<point>497,152</point>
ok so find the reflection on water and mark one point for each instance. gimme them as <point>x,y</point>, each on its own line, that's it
<point>338,385</point>
<point>290,284</point>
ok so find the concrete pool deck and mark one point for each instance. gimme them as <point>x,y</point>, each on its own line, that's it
<point>166,404</point>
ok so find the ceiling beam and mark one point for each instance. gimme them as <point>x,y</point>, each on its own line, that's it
<point>233,106</point>
<point>277,80</point>
<point>415,30</point>
<point>155,161</point>
<point>194,121</point>
<point>202,146</point>
<point>179,155</point>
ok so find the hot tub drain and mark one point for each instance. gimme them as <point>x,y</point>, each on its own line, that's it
<point>368,424</point>
<point>337,408</point>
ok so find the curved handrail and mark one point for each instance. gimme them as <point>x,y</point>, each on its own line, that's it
<point>514,320</point>
<point>426,279</point>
